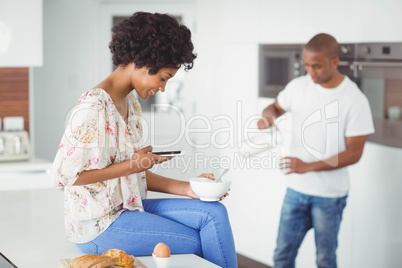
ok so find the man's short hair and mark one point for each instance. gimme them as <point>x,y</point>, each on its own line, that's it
<point>324,43</point>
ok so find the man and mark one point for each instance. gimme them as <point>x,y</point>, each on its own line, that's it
<point>331,119</point>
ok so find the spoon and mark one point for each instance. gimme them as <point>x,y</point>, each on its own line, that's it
<point>223,173</point>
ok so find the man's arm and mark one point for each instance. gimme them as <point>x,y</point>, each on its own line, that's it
<point>269,114</point>
<point>352,155</point>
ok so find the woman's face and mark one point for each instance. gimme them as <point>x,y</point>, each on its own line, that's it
<point>147,85</point>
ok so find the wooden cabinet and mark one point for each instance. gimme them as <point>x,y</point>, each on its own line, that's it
<point>14,93</point>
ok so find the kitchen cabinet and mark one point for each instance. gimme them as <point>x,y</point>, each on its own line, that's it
<point>14,94</point>
<point>21,41</point>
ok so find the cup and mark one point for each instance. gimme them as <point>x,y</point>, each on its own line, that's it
<point>281,163</point>
<point>161,262</point>
<point>394,112</point>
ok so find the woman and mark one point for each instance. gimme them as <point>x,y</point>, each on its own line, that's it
<point>104,171</point>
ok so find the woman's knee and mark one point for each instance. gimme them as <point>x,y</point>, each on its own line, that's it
<point>216,209</point>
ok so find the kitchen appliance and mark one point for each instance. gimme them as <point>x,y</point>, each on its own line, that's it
<point>375,67</point>
<point>278,65</point>
<point>377,70</point>
<point>14,140</point>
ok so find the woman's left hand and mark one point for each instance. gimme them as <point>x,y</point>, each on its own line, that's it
<point>210,176</point>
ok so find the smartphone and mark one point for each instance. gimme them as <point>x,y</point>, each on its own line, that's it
<point>6,263</point>
<point>169,153</point>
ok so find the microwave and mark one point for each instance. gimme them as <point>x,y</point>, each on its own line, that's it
<point>279,64</point>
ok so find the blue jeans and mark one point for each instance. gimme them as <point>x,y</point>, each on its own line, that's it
<point>300,213</point>
<point>185,225</point>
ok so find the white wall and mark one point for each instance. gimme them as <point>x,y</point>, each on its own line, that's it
<point>227,35</point>
<point>20,33</point>
<point>70,46</point>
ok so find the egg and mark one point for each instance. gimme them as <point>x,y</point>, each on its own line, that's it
<point>156,248</point>
<point>162,251</point>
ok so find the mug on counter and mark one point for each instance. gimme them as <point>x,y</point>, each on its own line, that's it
<point>394,112</point>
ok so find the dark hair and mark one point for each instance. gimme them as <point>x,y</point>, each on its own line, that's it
<point>152,40</point>
<point>324,43</point>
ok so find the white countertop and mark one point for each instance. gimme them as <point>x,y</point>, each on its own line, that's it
<point>181,261</point>
<point>34,164</point>
<point>32,174</point>
<point>32,228</point>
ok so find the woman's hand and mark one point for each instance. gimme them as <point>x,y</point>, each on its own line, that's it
<point>210,176</point>
<point>142,160</point>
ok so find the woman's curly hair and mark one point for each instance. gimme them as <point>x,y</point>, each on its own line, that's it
<point>152,40</point>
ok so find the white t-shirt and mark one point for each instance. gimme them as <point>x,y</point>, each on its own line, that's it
<point>322,118</point>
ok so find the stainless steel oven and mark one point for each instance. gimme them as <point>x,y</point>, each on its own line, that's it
<point>278,65</point>
<point>377,70</point>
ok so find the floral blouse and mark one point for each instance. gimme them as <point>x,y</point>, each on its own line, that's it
<point>97,136</point>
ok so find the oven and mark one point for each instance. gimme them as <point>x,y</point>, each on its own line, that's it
<point>377,70</point>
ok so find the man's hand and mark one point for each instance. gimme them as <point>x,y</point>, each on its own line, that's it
<point>294,165</point>
<point>266,121</point>
<point>269,115</point>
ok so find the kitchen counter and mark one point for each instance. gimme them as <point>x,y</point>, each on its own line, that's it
<point>33,235</point>
<point>34,164</point>
<point>32,228</point>
<point>32,174</point>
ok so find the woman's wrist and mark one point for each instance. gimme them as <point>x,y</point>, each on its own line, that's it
<point>128,167</point>
<point>181,187</point>
<point>136,165</point>
<point>189,191</point>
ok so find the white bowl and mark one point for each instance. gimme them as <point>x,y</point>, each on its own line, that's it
<point>161,262</point>
<point>209,190</point>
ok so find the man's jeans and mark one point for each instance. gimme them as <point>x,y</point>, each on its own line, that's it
<point>185,225</point>
<point>300,213</point>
